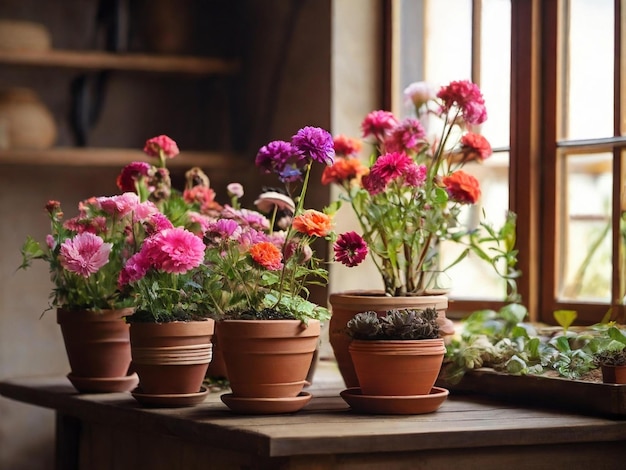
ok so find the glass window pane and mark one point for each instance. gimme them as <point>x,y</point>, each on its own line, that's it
<point>448,52</point>
<point>495,75</point>
<point>474,278</point>
<point>589,70</point>
<point>585,244</point>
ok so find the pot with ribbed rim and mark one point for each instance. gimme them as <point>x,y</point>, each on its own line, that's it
<point>171,358</point>
<point>346,305</point>
<point>97,344</point>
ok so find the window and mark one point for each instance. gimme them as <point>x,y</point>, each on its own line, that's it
<point>556,125</point>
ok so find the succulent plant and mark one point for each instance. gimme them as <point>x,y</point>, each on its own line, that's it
<point>610,358</point>
<point>406,324</point>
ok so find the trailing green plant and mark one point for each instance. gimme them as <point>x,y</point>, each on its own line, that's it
<point>503,341</point>
<point>410,324</point>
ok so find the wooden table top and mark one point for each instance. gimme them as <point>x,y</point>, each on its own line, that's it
<point>326,425</point>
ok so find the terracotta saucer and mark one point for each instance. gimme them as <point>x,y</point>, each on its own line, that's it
<point>170,400</point>
<point>265,406</point>
<point>104,384</point>
<point>396,405</point>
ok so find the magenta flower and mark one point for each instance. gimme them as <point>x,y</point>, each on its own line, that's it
<point>406,136</point>
<point>350,249</point>
<point>176,250</point>
<point>131,174</point>
<point>156,222</point>
<point>135,269</point>
<point>378,124</point>
<point>387,168</point>
<point>84,254</point>
<point>143,210</point>
<point>467,97</point>
<point>161,146</point>
<point>316,144</point>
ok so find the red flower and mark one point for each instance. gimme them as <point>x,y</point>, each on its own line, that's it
<point>467,97</point>
<point>462,187</point>
<point>350,249</point>
<point>346,146</point>
<point>475,147</point>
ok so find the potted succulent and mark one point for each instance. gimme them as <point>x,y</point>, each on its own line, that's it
<point>407,200</point>
<point>397,354</point>
<point>259,264</point>
<point>611,358</point>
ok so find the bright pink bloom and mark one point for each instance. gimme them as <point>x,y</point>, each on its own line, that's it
<point>134,269</point>
<point>176,250</point>
<point>350,249</point>
<point>388,168</point>
<point>84,254</point>
<point>159,144</point>
<point>378,124</point>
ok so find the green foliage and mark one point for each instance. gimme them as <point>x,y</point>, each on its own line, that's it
<point>503,341</point>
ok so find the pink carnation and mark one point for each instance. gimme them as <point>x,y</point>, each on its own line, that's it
<point>467,97</point>
<point>159,144</point>
<point>378,124</point>
<point>84,254</point>
<point>176,250</point>
<point>119,205</point>
<point>406,136</point>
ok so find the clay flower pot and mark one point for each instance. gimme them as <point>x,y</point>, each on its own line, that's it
<point>171,358</point>
<point>397,367</point>
<point>613,374</point>
<point>346,305</point>
<point>97,344</point>
<point>267,362</point>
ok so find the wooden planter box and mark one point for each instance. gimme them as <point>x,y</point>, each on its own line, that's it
<point>552,392</point>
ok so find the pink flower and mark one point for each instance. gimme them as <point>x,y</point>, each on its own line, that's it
<point>161,145</point>
<point>467,97</point>
<point>387,168</point>
<point>350,249</point>
<point>119,205</point>
<point>176,250</point>
<point>235,190</point>
<point>144,210</point>
<point>84,254</point>
<point>135,268</point>
<point>406,136</point>
<point>378,124</point>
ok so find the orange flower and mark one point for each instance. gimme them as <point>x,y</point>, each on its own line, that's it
<point>346,146</point>
<point>462,187</point>
<point>202,195</point>
<point>313,223</point>
<point>267,255</point>
<point>344,170</point>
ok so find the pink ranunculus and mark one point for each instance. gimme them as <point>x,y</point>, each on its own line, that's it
<point>161,143</point>
<point>177,250</point>
<point>467,97</point>
<point>378,124</point>
<point>144,210</point>
<point>84,254</point>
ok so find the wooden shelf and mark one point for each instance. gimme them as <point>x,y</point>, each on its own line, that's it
<point>96,60</point>
<point>109,157</point>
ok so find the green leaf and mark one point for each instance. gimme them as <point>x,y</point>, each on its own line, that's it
<point>565,318</point>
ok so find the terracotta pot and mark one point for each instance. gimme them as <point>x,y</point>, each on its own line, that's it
<point>171,358</point>
<point>397,368</point>
<point>98,349</point>
<point>346,305</point>
<point>267,358</point>
<point>613,374</point>
<point>27,122</point>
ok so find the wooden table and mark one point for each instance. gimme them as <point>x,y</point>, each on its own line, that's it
<point>113,431</point>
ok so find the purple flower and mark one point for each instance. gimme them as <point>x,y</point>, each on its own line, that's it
<point>275,156</point>
<point>316,143</point>
<point>350,249</point>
